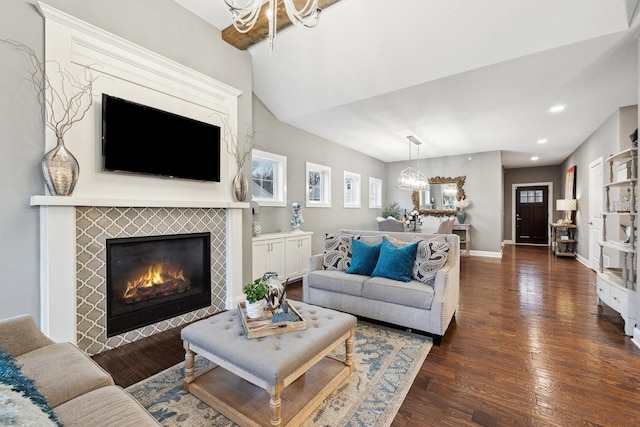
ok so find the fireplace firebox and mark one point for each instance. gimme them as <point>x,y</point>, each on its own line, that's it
<point>154,278</point>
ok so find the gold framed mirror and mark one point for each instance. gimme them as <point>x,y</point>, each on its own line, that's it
<point>441,197</point>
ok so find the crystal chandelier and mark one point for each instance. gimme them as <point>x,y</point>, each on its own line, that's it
<point>244,14</point>
<point>410,178</point>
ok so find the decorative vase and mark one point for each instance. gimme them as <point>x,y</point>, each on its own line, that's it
<point>255,309</point>
<point>240,186</point>
<point>461,215</point>
<point>60,170</point>
<point>256,228</point>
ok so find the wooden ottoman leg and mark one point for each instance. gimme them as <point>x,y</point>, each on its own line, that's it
<point>276,403</point>
<point>348,344</point>
<point>188,366</point>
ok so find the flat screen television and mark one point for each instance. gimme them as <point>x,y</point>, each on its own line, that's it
<point>140,139</point>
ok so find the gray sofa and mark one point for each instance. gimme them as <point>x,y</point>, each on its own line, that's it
<point>414,304</point>
<point>76,389</point>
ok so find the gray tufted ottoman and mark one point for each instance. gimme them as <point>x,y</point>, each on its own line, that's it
<point>291,367</point>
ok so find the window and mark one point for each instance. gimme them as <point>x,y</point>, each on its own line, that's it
<point>268,178</point>
<point>318,186</point>
<point>375,193</point>
<point>531,196</point>
<point>351,190</point>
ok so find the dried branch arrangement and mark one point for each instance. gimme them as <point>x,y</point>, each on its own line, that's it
<point>64,98</point>
<point>240,150</point>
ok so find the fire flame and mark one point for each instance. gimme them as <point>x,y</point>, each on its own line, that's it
<point>160,276</point>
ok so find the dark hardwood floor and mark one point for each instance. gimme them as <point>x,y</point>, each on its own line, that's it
<point>528,347</point>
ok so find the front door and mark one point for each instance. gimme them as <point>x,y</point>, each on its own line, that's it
<point>532,207</point>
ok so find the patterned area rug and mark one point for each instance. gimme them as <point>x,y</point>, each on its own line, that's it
<point>386,361</point>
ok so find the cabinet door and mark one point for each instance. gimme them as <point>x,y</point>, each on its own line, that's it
<point>291,263</point>
<point>277,258</point>
<point>304,253</point>
<point>260,258</point>
<point>268,255</point>
<point>298,253</point>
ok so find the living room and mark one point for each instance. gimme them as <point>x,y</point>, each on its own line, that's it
<point>488,184</point>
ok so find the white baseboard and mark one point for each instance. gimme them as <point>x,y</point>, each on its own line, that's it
<point>636,337</point>
<point>486,254</point>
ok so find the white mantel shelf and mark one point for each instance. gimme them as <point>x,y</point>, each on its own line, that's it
<point>134,203</point>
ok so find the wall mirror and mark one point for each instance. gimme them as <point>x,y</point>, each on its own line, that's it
<point>440,199</point>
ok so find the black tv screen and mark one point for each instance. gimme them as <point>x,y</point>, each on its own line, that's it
<point>144,140</point>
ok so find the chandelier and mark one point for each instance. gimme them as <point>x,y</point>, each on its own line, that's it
<point>244,14</point>
<point>410,178</point>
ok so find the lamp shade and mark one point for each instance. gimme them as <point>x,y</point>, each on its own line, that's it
<point>566,204</point>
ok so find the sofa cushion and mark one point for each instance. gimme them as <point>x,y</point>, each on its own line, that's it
<point>395,263</point>
<point>21,403</point>
<point>410,294</point>
<point>62,371</point>
<point>337,281</point>
<point>430,257</point>
<point>105,407</point>
<point>364,257</point>
<point>337,251</point>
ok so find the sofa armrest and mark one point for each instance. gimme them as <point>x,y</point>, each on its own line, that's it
<point>20,335</point>
<point>315,262</point>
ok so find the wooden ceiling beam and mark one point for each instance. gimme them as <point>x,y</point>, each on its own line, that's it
<point>260,30</point>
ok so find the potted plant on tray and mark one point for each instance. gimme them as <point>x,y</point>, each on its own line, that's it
<point>255,294</point>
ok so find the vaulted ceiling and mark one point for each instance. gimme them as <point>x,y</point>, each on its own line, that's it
<point>462,76</point>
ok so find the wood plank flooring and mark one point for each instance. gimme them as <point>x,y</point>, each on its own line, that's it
<point>528,347</point>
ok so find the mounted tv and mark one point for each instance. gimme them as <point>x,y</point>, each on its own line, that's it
<point>140,139</point>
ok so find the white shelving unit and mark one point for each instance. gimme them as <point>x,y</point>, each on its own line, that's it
<point>617,287</point>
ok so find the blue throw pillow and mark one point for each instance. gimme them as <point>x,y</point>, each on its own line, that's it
<point>363,257</point>
<point>395,263</point>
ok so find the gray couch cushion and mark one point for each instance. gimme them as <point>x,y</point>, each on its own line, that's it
<point>412,294</point>
<point>337,281</point>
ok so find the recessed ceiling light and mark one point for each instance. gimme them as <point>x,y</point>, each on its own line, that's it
<point>556,108</point>
<point>534,158</point>
<point>542,141</point>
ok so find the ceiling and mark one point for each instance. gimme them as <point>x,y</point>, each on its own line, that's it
<point>462,76</point>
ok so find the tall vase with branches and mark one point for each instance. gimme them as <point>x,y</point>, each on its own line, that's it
<point>241,151</point>
<point>65,100</point>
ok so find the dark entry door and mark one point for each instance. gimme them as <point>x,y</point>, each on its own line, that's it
<point>532,207</point>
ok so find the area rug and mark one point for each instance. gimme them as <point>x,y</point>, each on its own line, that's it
<point>386,363</point>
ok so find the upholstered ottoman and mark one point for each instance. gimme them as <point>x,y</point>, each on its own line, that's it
<point>293,366</point>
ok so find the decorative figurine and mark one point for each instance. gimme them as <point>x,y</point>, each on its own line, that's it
<point>297,220</point>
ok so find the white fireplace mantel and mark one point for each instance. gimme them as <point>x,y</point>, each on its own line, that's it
<point>58,255</point>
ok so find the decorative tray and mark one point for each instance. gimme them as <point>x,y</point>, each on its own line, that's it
<point>263,326</point>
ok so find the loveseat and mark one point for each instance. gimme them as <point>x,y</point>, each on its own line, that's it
<point>424,301</point>
<point>46,383</point>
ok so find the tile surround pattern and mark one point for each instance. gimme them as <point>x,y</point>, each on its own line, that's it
<point>96,224</point>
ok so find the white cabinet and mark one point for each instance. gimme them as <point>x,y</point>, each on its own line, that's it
<point>285,253</point>
<point>268,255</point>
<point>616,286</point>
<point>298,249</point>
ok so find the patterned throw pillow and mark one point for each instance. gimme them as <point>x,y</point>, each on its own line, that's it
<point>337,251</point>
<point>430,258</point>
